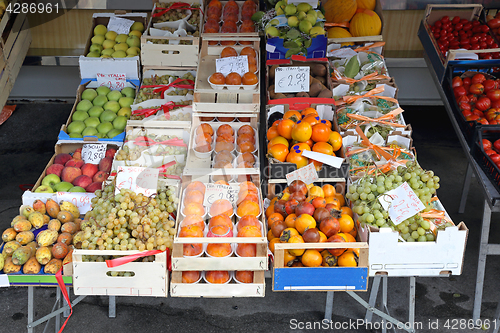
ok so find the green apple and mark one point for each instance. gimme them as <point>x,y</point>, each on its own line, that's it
<point>51,180</point>
<point>84,105</point>
<point>103,90</point>
<point>108,44</point>
<point>96,48</point>
<point>44,189</point>
<point>75,135</point>
<point>98,39</point>
<point>95,111</point>
<point>100,100</point>
<point>107,116</point>
<point>133,51</point>
<point>92,122</point>
<point>107,52</point>
<point>79,116</point>
<point>120,122</point>
<point>112,106</point>
<point>111,35</point>
<point>128,92</point>
<point>94,54</point>
<point>105,127</point>
<point>121,38</point>
<point>62,187</point>
<point>126,112</point>
<point>101,135</point>
<point>100,30</point>
<point>137,26</point>
<point>76,189</point>
<point>134,41</point>
<point>119,54</point>
<point>114,95</point>
<point>135,33</point>
<point>126,102</point>
<point>114,132</point>
<point>89,94</point>
<point>121,47</point>
<point>76,127</point>
<point>89,131</point>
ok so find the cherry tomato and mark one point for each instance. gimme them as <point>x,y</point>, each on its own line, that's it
<point>454,45</point>
<point>486,144</point>
<point>476,88</point>
<point>469,33</point>
<point>463,21</point>
<point>437,35</point>
<point>476,28</point>
<point>483,45</point>
<point>467,26</point>
<point>483,103</point>
<point>455,20</point>
<point>478,78</point>
<point>485,28</point>
<point>438,24</point>
<point>494,23</point>
<point>475,23</point>
<point>459,26</point>
<point>475,47</point>
<point>493,95</point>
<point>474,40</point>
<point>445,19</point>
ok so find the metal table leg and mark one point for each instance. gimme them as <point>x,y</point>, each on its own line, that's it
<point>58,302</point>
<point>465,189</point>
<point>112,307</point>
<point>496,319</point>
<point>329,305</point>
<point>66,313</point>
<point>373,297</point>
<point>481,264</point>
<point>30,308</point>
<point>411,310</point>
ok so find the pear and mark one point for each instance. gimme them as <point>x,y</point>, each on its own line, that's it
<point>137,26</point>
<point>100,30</point>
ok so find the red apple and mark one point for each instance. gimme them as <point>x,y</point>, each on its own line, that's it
<point>105,164</point>
<point>110,152</point>
<point>74,163</point>
<point>62,158</point>
<point>55,169</point>
<point>89,169</point>
<point>70,173</point>
<point>100,176</point>
<point>82,181</point>
<point>94,187</point>
<point>304,208</point>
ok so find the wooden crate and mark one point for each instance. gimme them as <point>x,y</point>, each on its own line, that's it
<point>320,278</point>
<point>90,278</point>
<point>207,99</point>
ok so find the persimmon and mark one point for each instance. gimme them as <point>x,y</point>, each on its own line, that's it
<point>324,148</point>
<point>244,276</point>
<point>217,78</point>
<point>308,111</point>
<point>212,23</point>
<point>270,235</point>
<point>318,202</point>
<point>245,137</point>
<point>311,119</point>
<point>353,232</point>
<point>329,226</point>
<point>347,237</point>
<point>193,208</point>
<point>297,158</point>
<point>196,185</point>
<point>246,147</point>
<point>203,147</point>
<point>247,195</point>
<point>301,146</point>
<point>225,129</point>
<point>249,78</point>
<point>225,138</point>
<point>249,231</point>
<point>312,258</point>
<point>203,138</point>
<point>228,51</point>
<point>248,207</point>
<point>221,219</point>
<point>348,259</point>
<point>231,7</point>
<point>246,157</point>
<point>335,140</point>
<point>231,17</point>
<point>327,123</point>
<point>248,220</point>
<point>225,119</point>
<point>247,23</point>
<point>296,239</point>
<point>233,79</point>
<point>221,206</point>
<point>191,231</point>
<point>209,29</point>
<point>229,26</point>
<point>222,145</point>
<point>193,196</point>
<point>219,249</point>
<point>246,250</point>
<point>278,151</point>
<point>223,155</point>
<point>328,190</point>
<point>217,277</point>
<point>205,128</point>
<point>248,51</point>
<point>223,164</point>
<point>293,115</point>
<point>249,186</point>
<point>193,220</point>
<point>247,28</point>
<point>301,131</point>
<point>346,223</point>
<point>252,67</point>
<point>290,220</point>
<point>333,202</point>
<point>285,128</point>
<point>221,182</point>
<point>276,140</point>
<point>245,165</point>
<point>288,259</point>
<point>320,133</point>
<point>190,276</point>
<point>287,233</point>
<point>340,198</point>
<point>275,217</point>
<point>246,129</point>
<point>304,222</point>
<point>346,210</point>
<point>272,242</point>
<point>336,239</point>
<point>272,132</point>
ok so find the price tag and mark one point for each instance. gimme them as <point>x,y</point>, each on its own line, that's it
<point>93,153</point>
<point>81,200</point>
<point>291,79</point>
<point>139,180</point>
<point>120,25</point>
<point>307,174</point>
<point>4,280</point>
<point>218,191</point>
<point>232,64</point>
<point>112,81</point>
<point>401,203</point>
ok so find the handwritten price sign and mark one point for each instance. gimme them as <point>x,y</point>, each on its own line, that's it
<point>291,79</point>
<point>139,180</point>
<point>232,64</point>
<point>219,191</point>
<point>401,203</point>
<point>119,25</point>
<point>93,153</point>
<point>81,200</point>
<point>307,174</point>
<point>112,81</point>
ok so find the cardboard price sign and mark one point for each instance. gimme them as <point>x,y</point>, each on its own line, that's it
<point>93,153</point>
<point>81,200</point>
<point>401,203</point>
<point>218,191</point>
<point>119,25</point>
<point>291,79</point>
<point>232,64</point>
<point>139,180</point>
<point>112,81</point>
<point>307,174</point>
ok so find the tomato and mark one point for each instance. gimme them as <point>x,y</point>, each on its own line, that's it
<point>485,28</point>
<point>459,26</point>
<point>489,152</point>
<point>483,103</point>
<point>445,19</point>
<point>478,78</point>
<point>478,112</point>
<point>482,121</point>
<point>472,99</point>
<point>474,40</point>
<point>476,88</point>
<point>493,95</point>
<point>459,91</point>
<point>466,113</point>
<point>464,106</point>
<point>496,144</point>
<point>493,23</point>
<point>472,117</point>
<point>438,24</point>
<point>455,20</point>
<point>467,81</point>
<point>492,114</point>
<point>467,26</point>
<point>495,104</point>
<point>495,158</point>
<point>464,98</point>
<point>457,82</point>
<point>487,144</point>
<point>494,122</point>
<point>489,85</point>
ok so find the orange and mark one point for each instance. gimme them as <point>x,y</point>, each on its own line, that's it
<point>203,138</point>
<point>248,220</point>
<point>228,51</point>
<point>312,258</point>
<point>217,78</point>
<point>249,79</point>
<point>304,222</point>
<point>285,128</point>
<point>223,145</point>
<point>233,79</point>
<point>221,182</point>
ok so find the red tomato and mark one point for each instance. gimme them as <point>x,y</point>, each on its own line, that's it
<point>472,99</point>
<point>485,28</point>
<point>489,85</point>
<point>492,114</point>
<point>466,113</point>
<point>489,152</point>
<point>445,19</point>
<point>494,122</point>
<point>495,158</point>
<point>495,104</point>
<point>472,117</point>
<point>478,78</point>
<point>483,103</point>
<point>455,20</point>
<point>482,121</point>
<point>476,88</point>
<point>467,81</point>
<point>463,98</point>
<point>438,24</point>
<point>459,91</point>
<point>474,40</point>
<point>459,26</point>
<point>486,144</point>
<point>467,26</point>
<point>493,95</point>
<point>493,23</point>
<point>464,106</point>
<point>478,112</point>
<point>456,82</point>
<point>496,145</point>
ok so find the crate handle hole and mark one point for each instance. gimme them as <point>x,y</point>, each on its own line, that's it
<point>120,274</point>
<point>170,52</point>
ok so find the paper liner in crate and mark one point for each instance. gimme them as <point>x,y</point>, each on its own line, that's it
<point>334,50</point>
<point>182,23</point>
<point>160,110</point>
<point>166,91</point>
<point>357,66</point>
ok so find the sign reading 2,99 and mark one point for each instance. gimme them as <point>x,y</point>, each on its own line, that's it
<point>291,79</point>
